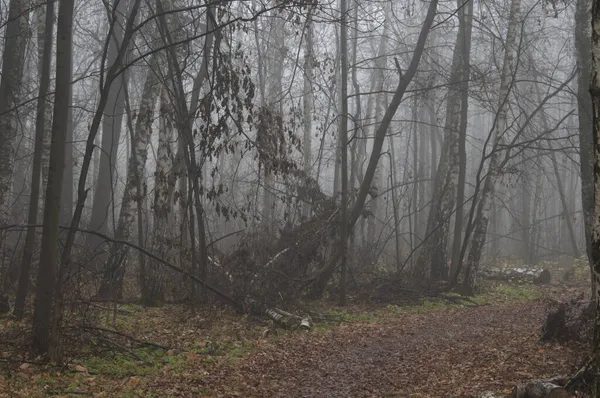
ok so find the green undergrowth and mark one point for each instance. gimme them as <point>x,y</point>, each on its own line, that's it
<point>493,294</point>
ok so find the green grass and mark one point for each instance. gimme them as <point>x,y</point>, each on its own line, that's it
<point>493,294</point>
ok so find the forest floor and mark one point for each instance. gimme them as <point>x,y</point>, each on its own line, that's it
<point>435,349</point>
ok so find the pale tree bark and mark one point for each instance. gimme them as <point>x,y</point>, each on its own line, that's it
<point>185,116</point>
<point>380,107</point>
<point>111,130</point>
<point>66,207</point>
<point>46,280</point>
<point>444,198</point>
<point>356,156</point>
<point>41,21</point>
<point>274,102</point>
<point>40,130</point>
<point>320,281</point>
<point>153,289</point>
<point>308,101</point>
<point>13,62</point>
<point>480,222</point>
<point>134,191</point>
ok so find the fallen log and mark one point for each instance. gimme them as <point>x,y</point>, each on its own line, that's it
<point>534,389</point>
<point>536,276</point>
<point>540,389</point>
<point>288,320</point>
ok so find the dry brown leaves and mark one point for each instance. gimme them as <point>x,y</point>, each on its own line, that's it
<point>453,352</point>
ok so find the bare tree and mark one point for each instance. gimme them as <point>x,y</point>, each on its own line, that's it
<point>45,291</point>
<point>111,127</point>
<point>509,66</point>
<point>13,62</point>
<point>40,129</point>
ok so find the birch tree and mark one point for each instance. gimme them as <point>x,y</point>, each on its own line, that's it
<point>447,173</point>
<point>134,187</point>
<point>480,223</point>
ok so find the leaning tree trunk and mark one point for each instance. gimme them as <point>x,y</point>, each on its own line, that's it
<point>320,281</point>
<point>46,280</point>
<point>185,120</point>
<point>484,206</point>
<point>111,133</point>
<point>13,60</point>
<point>379,75</point>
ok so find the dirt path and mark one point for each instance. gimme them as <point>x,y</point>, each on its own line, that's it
<point>450,353</point>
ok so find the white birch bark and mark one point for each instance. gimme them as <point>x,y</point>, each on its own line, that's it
<point>444,195</point>
<point>163,217</point>
<point>134,188</point>
<point>481,220</point>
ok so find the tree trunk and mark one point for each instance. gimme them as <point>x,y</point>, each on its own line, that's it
<point>379,75</point>
<point>484,206</point>
<point>46,280</point>
<point>584,104</point>
<point>274,99</point>
<point>66,206</point>
<point>13,60</point>
<point>320,281</point>
<point>344,149</point>
<point>134,192</point>
<point>40,129</point>
<point>559,184</point>
<point>447,174</point>
<point>153,293</point>
<point>111,132</point>
<point>595,237</point>
<point>308,107</point>
<point>466,17</point>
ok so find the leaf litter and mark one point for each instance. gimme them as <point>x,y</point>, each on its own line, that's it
<point>450,351</point>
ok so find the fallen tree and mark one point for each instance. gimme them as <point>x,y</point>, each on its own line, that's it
<point>534,389</point>
<point>536,276</point>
